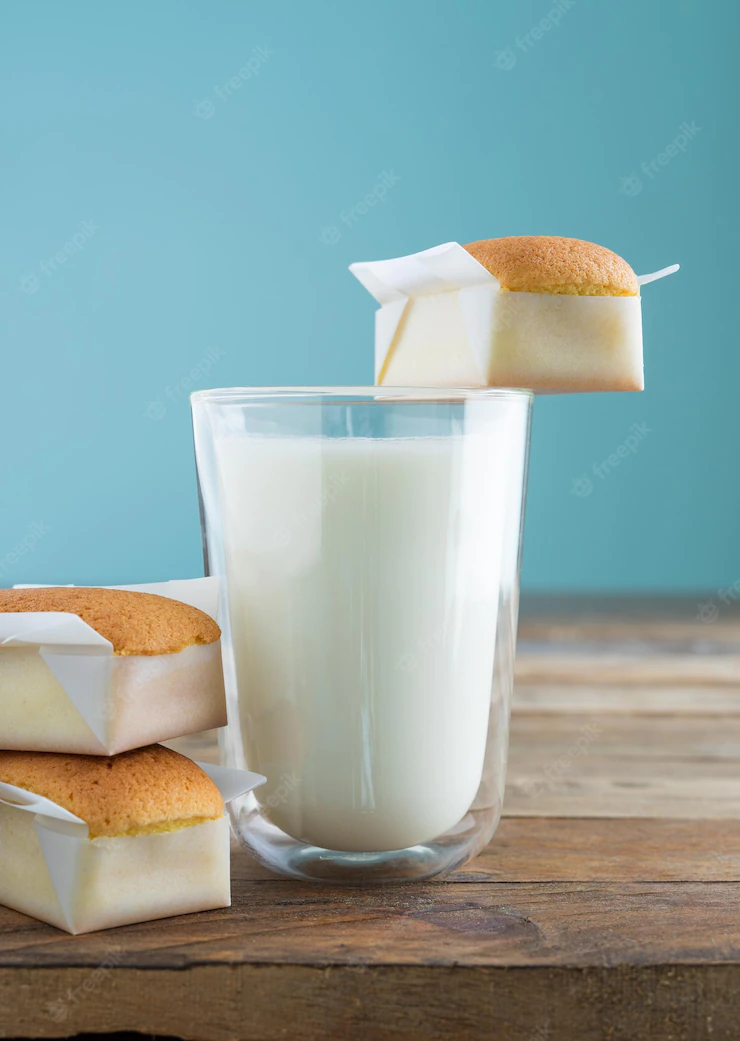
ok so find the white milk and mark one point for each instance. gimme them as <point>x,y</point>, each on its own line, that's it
<point>363,580</point>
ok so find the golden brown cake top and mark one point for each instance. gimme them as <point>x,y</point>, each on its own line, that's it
<point>135,623</point>
<point>550,264</point>
<point>147,790</point>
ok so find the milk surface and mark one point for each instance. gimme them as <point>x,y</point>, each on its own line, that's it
<point>363,582</point>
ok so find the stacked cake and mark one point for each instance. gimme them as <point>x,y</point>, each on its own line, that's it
<point>99,825</point>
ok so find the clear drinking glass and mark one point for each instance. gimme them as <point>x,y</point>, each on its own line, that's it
<point>368,544</point>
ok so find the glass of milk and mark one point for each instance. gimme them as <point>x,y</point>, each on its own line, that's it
<point>368,544</point>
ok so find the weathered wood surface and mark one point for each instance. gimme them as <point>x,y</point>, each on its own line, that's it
<point>606,906</point>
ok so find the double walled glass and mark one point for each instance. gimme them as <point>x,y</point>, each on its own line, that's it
<point>368,544</point>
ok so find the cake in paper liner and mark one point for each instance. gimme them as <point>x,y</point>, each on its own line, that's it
<point>445,320</point>
<point>52,870</point>
<point>62,688</point>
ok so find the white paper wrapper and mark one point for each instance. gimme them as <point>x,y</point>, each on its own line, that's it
<point>50,868</point>
<point>444,321</point>
<point>62,689</point>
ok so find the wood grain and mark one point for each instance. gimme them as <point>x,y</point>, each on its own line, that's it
<point>400,1003</point>
<point>307,962</point>
<point>605,908</point>
<point>470,923</point>
<point>632,699</point>
<point>615,765</point>
<point>595,668</point>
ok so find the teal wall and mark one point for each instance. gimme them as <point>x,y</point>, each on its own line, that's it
<point>177,212</point>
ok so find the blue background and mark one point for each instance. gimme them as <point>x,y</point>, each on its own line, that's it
<point>221,218</point>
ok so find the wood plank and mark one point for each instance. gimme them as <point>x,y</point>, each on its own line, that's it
<point>625,699</point>
<point>590,669</point>
<point>457,923</point>
<point>615,766</point>
<point>630,609</point>
<point>639,797</point>
<point>554,849</point>
<point>595,764</point>
<point>601,909</point>
<point>266,1003</point>
<point>470,957</point>
<point>490,913</point>
<point>686,633</point>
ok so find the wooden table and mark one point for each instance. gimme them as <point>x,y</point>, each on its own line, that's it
<point>607,905</point>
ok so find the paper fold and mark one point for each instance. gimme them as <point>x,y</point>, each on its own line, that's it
<point>440,269</point>
<point>30,802</point>
<point>63,837</point>
<point>231,783</point>
<point>81,660</point>
<point>51,629</point>
<point>447,268</point>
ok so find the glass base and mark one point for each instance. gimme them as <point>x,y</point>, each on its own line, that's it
<point>292,858</point>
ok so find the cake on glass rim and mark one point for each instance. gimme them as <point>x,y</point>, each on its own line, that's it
<point>546,313</point>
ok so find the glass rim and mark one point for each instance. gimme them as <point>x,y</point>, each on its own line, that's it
<point>368,395</point>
